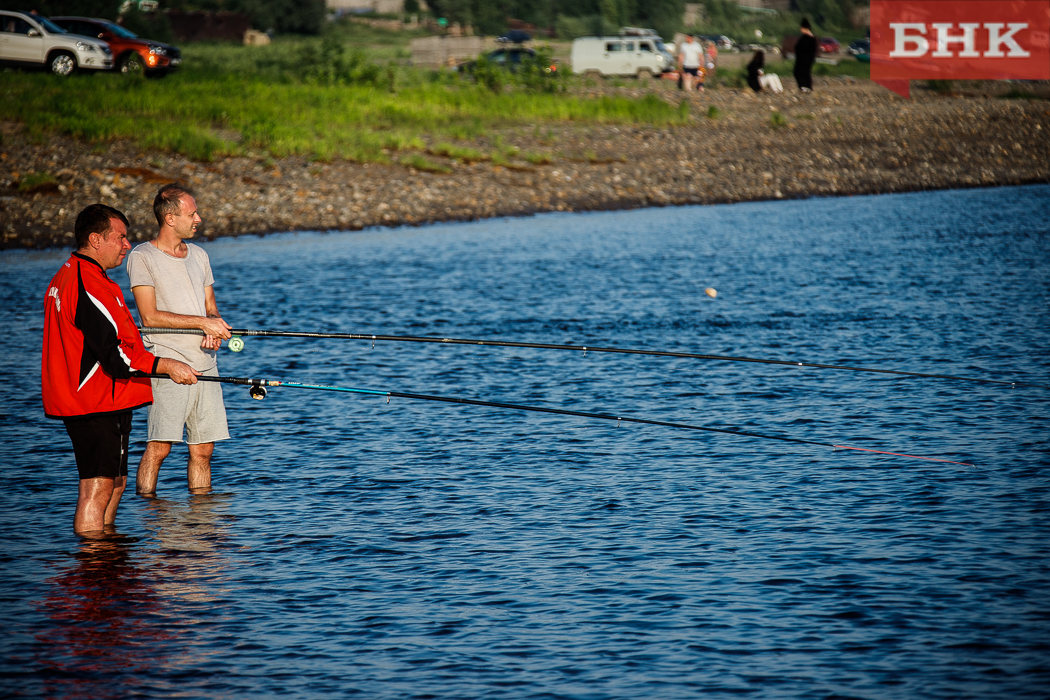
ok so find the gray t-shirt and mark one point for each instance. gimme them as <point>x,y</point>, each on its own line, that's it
<point>179,286</point>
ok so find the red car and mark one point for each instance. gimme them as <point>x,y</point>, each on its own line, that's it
<point>825,44</point>
<point>130,53</point>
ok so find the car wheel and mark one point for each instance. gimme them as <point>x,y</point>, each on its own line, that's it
<point>644,76</point>
<point>62,64</point>
<point>132,65</point>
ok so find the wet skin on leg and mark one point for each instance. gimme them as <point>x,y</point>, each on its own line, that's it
<point>198,469</point>
<point>97,503</point>
<point>149,467</point>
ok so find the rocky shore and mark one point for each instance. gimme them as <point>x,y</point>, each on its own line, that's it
<point>848,137</point>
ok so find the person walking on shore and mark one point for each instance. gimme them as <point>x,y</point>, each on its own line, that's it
<point>91,347</point>
<point>805,55</point>
<point>689,59</point>
<point>174,288</point>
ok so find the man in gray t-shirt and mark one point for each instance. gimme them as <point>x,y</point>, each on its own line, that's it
<point>174,288</point>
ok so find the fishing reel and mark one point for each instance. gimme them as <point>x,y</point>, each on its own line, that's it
<point>236,344</point>
<point>257,391</point>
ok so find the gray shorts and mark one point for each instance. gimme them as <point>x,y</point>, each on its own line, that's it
<point>198,407</point>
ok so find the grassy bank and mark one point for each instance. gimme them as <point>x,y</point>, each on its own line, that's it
<point>322,98</point>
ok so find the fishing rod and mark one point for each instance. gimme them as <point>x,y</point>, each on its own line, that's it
<point>236,344</point>
<point>257,390</point>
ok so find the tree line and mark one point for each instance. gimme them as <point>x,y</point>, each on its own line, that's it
<point>567,18</point>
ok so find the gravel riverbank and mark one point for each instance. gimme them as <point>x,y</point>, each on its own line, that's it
<point>848,137</point>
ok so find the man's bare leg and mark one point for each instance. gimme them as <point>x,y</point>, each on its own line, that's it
<point>198,469</point>
<point>93,504</point>
<point>114,500</point>
<point>149,467</point>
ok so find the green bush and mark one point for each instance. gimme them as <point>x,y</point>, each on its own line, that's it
<point>332,62</point>
<point>156,26</point>
<point>489,74</point>
<point>569,28</point>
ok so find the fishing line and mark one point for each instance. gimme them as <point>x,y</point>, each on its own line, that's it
<point>257,390</point>
<point>236,344</point>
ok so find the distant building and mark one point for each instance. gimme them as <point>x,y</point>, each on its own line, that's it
<point>380,7</point>
<point>694,14</point>
<point>778,5</point>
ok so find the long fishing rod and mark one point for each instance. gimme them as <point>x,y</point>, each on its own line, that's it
<point>257,390</point>
<point>236,344</point>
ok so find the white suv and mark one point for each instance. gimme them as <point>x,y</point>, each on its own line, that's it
<point>31,40</point>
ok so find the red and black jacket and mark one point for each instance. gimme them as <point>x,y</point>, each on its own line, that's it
<point>91,345</point>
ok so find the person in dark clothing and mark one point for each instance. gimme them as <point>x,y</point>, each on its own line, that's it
<point>754,70</point>
<point>805,55</point>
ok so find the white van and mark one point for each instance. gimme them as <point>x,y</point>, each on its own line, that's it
<point>643,56</point>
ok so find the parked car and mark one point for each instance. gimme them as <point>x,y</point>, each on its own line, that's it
<point>642,56</point>
<point>509,57</point>
<point>860,46</point>
<point>825,45</point>
<point>723,42</point>
<point>131,54</point>
<point>29,40</point>
<point>828,44</point>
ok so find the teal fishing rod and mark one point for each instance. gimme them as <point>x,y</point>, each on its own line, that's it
<point>236,344</point>
<point>257,390</point>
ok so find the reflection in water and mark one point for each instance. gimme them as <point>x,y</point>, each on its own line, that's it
<point>190,536</point>
<point>119,613</point>
<point>98,632</point>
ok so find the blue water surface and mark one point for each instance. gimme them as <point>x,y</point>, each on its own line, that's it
<point>413,549</point>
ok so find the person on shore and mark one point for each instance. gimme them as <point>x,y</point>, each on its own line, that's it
<point>754,71</point>
<point>174,288</point>
<point>689,58</point>
<point>91,347</point>
<point>757,79</point>
<point>805,56</point>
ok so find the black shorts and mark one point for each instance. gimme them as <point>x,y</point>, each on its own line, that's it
<point>691,71</point>
<point>100,444</point>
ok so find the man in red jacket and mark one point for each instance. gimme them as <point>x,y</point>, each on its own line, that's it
<point>91,347</point>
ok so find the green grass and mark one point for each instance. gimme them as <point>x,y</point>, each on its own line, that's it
<point>847,65</point>
<point>322,98</point>
<point>777,120</point>
<point>415,160</point>
<point>538,158</point>
<point>32,182</point>
<point>1020,94</point>
<point>460,153</point>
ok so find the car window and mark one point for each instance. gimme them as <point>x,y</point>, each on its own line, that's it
<point>644,46</point>
<point>629,46</point>
<point>121,31</point>
<point>15,25</point>
<point>614,46</point>
<point>50,26</point>
<point>74,27</point>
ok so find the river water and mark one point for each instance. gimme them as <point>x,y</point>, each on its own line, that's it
<point>353,547</point>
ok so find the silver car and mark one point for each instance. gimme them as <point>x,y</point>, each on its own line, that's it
<point>30,40</point>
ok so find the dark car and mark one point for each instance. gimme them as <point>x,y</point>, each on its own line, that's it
<point>860,46</point>
<point>828,44</point>
<point>509,57</point>
<point>131,54</point>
